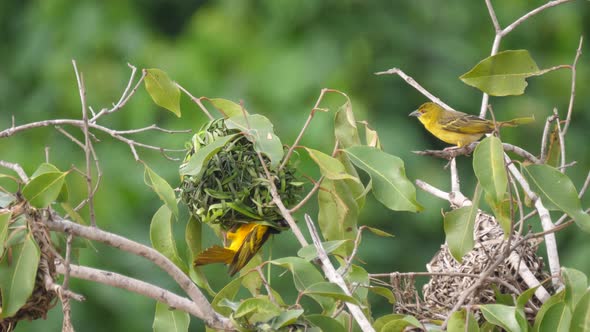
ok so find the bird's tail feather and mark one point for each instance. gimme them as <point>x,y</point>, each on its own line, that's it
<point>215,254</point>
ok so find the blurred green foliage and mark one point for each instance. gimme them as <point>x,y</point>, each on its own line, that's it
<point>275,56</point>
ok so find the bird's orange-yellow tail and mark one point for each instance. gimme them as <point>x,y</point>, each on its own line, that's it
<point>215,254</point>
<point>516,122</point>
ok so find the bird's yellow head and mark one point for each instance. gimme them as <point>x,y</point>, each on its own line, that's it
<point>427,112</point>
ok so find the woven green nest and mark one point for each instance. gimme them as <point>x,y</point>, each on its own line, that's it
<point>226,183</point>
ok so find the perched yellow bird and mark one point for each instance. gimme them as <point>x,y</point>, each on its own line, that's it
<point>246,240</point>
<point>456,127</point>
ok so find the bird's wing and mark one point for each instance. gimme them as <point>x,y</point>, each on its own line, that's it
<point>464,123</point>
<point>250,246</point>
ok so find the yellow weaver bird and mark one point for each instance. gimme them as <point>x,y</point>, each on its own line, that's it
<point>456,127</point>
<point>246,240</point>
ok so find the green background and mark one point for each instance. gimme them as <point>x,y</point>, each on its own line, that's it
<point>275,56</point>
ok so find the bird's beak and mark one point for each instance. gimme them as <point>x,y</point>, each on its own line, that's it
<point>416,113</point>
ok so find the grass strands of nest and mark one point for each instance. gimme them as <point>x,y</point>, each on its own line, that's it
<point>233,186</point>
<point>450,278</point>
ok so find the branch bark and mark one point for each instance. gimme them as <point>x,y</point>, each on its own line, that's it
<point>204,309</point>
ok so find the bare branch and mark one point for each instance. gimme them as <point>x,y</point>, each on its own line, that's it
<point>16,168</point>
<point>432,190</point>
<point>336,278</point>
<point>414,84</point>
<point>149,290</point>
<point>119,242</point>
<point>546,223</point>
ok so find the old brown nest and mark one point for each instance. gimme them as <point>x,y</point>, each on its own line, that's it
<point>442,292</point>
<point>41,299</point>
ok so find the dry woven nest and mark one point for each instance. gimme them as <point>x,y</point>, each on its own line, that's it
<point>441,293</point>
<point>233,187</point>
<point>41,300</point>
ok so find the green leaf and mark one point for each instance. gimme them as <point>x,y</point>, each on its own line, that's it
<point>523,298</point>
<point>459,320</point>
<point>4,222</point>
<point>576,284</point>
<point>259,130</point>
<point>227,107</point>
<point>305,274</point>
<point>162,90</point>
<point>330,290</point>
<point>557,193</point>
<point>167,319</point>
<point>287,318</point>
<point>400,325</point>
<point>371,137</point>
<point>556,298</point>
<point>557,319</point>
<point>45,168</point>
<point>50,168</point>
<point>259,306</point>
<point>360,278</point>
<point>502,74</point>
<point>345,128</point>
<point>162,188</point>
<point>192,237</point>
<point>310,252</point>
<point>501,315</point>
<point>502,211</point>
<point>390,184</point>
<point>17,276</point>
<point>459,225</point>
<point>383,291</point>
<point>488,165</point>
<point>378,232</point>
<point>227,293</point>
<point>338,213</point>
<point>325,323</point>
<point>553,157</point>
<point>383,320</point>
<point>581,316</point>
<point>198,161</point>
<point>330,167</point>
<point>75,216</point>
<point>251,280</point>
<point>44,189</point>
<point>162,238</point>
<point>346,133</point>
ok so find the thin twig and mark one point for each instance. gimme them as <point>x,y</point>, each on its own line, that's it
<point>570,107</point>
<point>302,131</point>
<point>196,101</point>
<point>561,141</point>
<point>87,143</point>
<point>125,96</point>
